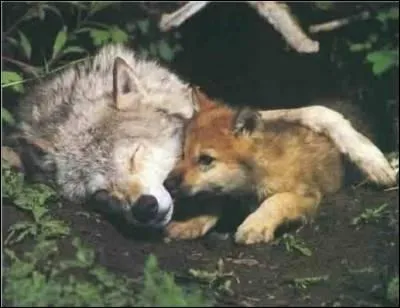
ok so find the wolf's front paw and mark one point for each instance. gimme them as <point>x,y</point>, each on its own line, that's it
<point>185,230</point>
<point>254,230</point>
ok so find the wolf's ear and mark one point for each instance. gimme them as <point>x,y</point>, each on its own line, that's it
<point>200,100</point>
<point>125,82</point>
<point>247,121</point>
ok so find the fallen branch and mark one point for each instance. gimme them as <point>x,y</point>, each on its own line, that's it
<point>175,19</point>
<point>278,15</point>
<point>338,23</point>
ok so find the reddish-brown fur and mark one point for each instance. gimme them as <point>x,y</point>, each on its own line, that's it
<point>288,167</point>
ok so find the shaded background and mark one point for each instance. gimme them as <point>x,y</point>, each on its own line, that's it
<point>230,51</point>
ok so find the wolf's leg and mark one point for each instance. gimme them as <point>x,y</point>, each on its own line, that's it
<point>260,226</point>
<point>191,228</point>
<point>349,141</point>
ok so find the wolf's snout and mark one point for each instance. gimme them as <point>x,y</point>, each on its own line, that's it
<point>145,208</point>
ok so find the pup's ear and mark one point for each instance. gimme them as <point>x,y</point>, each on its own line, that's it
<point>200,100</point>
<point>125,82</point>
<point>247,121</point>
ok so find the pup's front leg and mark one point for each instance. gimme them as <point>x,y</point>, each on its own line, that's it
<point>260,226</point>
<point>191,228</point>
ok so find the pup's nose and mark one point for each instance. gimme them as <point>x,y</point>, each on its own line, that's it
<point>173,182</point>
<point>145,208</point>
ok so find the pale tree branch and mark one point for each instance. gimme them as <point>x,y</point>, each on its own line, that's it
<point>278,15</point>
<point>175,19</point>
<point>338,23</point>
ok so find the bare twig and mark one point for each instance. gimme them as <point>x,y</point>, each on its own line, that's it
<point>178,17</point>
<point>392,188</point>
<point>24,66</point>
<point>278,15</point>
<point>338,23</point>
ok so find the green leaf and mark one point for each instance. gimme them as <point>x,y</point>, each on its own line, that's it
<point>324,5</point>
<point>51,228</point>
<point>359,47</point>
<point>117,35</point>
<point>165,50</point>
<point>11,79</point>
<point>153,49</point>
<point>7,117</point>
<point>60,41</point>
<point>392,293</point>
<point>304,250</point>
<point>73,49</point>
<point>25,44</point>
<point>52,9</point>
<point>100,37</point>
<point>382,60</point>
<point>38,212</point>
<point>96,6</point>
<point>144,25</point>
<point>392,13</point>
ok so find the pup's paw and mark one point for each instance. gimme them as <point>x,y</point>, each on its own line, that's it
<point>186,230</point>
<point>254,230</point>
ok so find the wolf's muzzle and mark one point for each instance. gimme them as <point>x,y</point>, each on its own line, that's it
<point>145,211</point>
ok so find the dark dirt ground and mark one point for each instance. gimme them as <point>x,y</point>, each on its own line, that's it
<point>264,271</point>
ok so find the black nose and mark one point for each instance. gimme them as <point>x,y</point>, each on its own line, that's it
<point>145,208</point>
<point>173,182</point>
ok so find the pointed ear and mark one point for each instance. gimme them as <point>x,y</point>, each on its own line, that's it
<point>125,82</point>
<point>200,100</point>
<point>247,121</point>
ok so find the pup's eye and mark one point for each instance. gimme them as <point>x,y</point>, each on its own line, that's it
<point>205,159</point>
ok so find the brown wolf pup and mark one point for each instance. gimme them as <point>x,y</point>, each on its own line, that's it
<point>287,167</point>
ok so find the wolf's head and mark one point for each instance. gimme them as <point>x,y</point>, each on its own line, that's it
<point>146,144</point>
<point>115,147</point>
<point>217,146</point>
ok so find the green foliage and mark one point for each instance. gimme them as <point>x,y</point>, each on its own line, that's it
<point>160,290</point>
<point>217,280</point>
<point>383,60</point>
<point>34,200</point>
<point>370,215</point>
<point>292,243</point>
<point>36,281</point>
<point>393,290</point>
<point>7,117</point>
<point>11,79</point>
<point>304,283</point>
<point>381,53</point>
